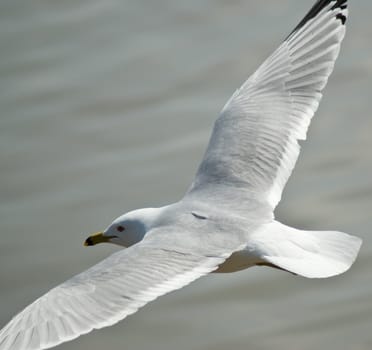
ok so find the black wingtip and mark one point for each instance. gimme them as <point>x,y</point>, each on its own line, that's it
<point>341,17</point>
<point>319,6</point>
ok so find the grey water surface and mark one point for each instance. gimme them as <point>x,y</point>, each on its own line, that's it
<point>107,106</point>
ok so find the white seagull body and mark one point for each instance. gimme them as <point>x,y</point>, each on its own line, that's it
<point>225,222</point>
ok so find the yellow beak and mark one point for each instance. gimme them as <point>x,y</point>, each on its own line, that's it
<point>96,238</point>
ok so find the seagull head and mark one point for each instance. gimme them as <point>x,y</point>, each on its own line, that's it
<point>126,230</point>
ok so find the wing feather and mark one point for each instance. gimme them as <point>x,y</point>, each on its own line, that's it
<point>254,145</point>
<point>103,295</point>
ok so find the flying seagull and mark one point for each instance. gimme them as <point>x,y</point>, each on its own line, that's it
<point>225,221</point>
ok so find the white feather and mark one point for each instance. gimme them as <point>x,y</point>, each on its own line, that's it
<point>254,145</point>
<point>312,254</point>
<point>103,295</point>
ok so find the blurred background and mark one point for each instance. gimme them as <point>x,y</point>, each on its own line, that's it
<point>107,106</point>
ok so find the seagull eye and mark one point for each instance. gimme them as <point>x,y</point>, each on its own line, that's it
<point>120,228</point>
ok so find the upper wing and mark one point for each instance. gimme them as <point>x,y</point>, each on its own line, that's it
<point>103,295</point>
<point>254,145</point>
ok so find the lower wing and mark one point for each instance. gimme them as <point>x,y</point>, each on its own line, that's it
<point>103,295</point>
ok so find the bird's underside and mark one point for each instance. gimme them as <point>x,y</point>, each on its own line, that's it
<point>251,154</point>
<point>239,261</point>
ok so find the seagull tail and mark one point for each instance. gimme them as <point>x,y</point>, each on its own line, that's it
<point>312,254</point>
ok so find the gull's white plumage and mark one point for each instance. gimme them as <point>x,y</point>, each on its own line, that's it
<point>258,129</point>
<point>103,295</point>
<point>225,222</point>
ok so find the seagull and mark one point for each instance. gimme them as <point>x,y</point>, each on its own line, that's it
<point>225,222</point>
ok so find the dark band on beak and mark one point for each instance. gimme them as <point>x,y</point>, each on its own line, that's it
<point>88,242</point>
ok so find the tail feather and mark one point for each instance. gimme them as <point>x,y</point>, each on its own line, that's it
<point>312,254</point>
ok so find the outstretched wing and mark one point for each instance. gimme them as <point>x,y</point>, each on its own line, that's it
<point>254,145</point>
<point>103,295</point>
